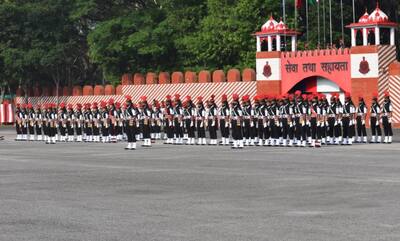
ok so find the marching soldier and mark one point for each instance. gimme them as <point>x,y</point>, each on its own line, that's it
<point>387,119</point>
<point>360,119</point>
<point>333,135</point>
<point>308,105</point>
<point>189,114</point>
<point>254,129</point>
<point>324,120</point>
<point>104,122</point>
<point>96,122</point>
<point>300,120</point>
<point>32,121</point>
<point>39,122</point>
<point>145,121</point>
<point>70,123</point>
<point>119,123</point>
<point>46,123</point>
<point>178,120</point>
<point>138,132</point>
<point>284,115</point>
<point>315,117</point>
<point>236,123</point>
<point>130,123</point>
<point>273,113</point>
<point>211,116</point>
<point>124,128</point>
<point>18,122</point>
<point>169,113</point>
<point>291,123</point>
<point>52,123</point>
<point>348,120</point>
<point>112,112</point>
<point>88,118</point>
<point>339,126</point>
<point>79,120</point>
<point>375,120</point>
<point>23,116</point>
<point>157,117</point>
<point>248,123</point>
<point>62,121</point>
<point>267,121</point>
<point>259,105</point>
<point>224,120</point>
<point>200,121</point>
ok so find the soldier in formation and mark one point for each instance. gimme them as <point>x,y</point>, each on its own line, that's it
<point>289,120</point>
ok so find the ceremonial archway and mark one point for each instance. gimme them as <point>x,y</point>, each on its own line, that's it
<point>317,84</point>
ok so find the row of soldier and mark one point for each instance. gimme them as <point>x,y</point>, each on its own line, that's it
<point>289,120</point>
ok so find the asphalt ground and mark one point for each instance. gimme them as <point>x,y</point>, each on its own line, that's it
<point>85,191</point>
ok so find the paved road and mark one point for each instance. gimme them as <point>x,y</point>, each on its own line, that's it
<point>101,192</point>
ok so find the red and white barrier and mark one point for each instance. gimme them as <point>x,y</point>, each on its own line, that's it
<point>10,114</point>
<point>6,113</point>
<point>158,92</point>
<point>2,114</point>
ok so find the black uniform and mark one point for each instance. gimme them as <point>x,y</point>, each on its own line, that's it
<point>70,123</point>
<point>360,119</point>
<point>224,120</point>
<point>375,125</point>
<point>212,123</point>
<point>386,120</point>
<point>131,124</point>
<point>200,119</point>
<point>236,122</point>
<point>39,123</point>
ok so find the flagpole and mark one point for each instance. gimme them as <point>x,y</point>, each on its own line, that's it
<point>284,10</point>
<point>330,21</point>
<point>354,13</point>
<point>307,20</point>
<point>319,35</point>
<point>324,21</point>
<point>295,14</point>
<point>341,15</point>
<point>284,18</point>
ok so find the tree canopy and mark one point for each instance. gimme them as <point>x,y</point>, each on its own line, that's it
<point>67,42</point>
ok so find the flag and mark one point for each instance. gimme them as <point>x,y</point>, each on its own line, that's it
<point>299,3</point>
<point>313,2</point>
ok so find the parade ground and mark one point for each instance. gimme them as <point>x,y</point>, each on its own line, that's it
<point>82,191</point>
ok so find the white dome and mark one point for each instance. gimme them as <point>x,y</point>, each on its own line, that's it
<point>364,18</point>
<point>281,26</point>
<point>271,24</point>
<point>378,16</point>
